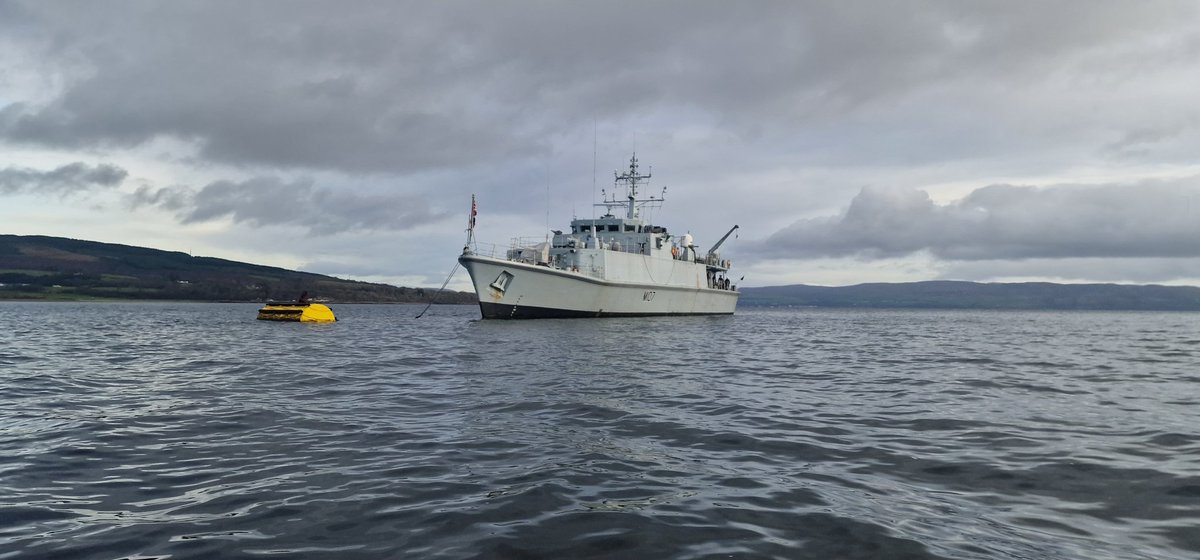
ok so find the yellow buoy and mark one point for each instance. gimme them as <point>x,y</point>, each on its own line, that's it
<point>301,312</point>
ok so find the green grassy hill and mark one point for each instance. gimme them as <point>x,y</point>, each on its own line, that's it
<point>39,267</point>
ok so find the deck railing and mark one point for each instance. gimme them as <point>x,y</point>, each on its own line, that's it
<point>498,251</point>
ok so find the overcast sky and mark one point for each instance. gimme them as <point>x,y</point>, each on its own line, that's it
<point>851,141</point>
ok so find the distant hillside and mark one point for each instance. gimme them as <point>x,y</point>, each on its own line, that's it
<point>38,267</point>
<point>971,295</point>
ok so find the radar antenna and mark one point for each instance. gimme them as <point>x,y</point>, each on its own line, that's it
<point>631,179</point>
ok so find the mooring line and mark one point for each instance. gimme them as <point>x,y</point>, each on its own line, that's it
<point>439,292</point>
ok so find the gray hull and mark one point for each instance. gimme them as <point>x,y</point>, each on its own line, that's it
<point>517,290</point>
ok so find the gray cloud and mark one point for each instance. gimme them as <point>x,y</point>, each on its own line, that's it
<point>400,87</point>
<point>731,103</point>
<point>1147,219</point>
<point>64,180</point>
<point>167,198</point>
<point>269,201</point>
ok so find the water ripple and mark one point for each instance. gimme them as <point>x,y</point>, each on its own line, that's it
<point>166,430</point>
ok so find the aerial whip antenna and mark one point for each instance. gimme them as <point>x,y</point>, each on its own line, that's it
<point>593,167</point>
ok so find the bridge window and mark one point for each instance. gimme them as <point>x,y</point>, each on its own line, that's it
<point>629,227</point>
<point>614,227</point>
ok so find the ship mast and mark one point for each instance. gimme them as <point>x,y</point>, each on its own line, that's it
<point>630,179</point>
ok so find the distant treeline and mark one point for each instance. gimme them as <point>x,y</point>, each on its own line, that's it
<point>972,295</point>
<point>39,267</point>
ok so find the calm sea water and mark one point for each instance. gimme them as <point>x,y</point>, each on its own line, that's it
<point>169,430</point>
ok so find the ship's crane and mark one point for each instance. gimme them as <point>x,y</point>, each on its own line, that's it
<point>713,252</point>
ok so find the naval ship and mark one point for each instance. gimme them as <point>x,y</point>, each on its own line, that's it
<point>611,266</point>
